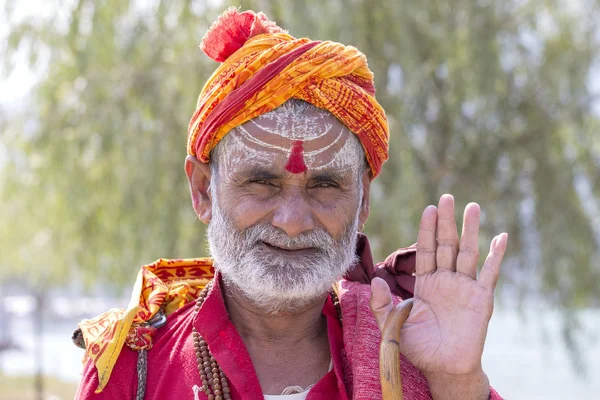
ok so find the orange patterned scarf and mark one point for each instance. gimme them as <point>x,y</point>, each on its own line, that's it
<point>263,67</point>
<point>165,286</point>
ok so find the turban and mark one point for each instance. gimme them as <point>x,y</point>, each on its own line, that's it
<point>262,67</point>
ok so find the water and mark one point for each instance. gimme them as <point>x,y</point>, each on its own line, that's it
<point>522,360</point>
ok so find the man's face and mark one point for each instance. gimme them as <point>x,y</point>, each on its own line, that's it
<point>286,206</point>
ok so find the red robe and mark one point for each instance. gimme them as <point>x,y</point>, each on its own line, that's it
<point>172,366</point>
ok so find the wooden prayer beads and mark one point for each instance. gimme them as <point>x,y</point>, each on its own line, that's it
<point>214,381</point>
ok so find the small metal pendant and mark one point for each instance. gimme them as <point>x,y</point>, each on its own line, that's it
<point>196,390</point>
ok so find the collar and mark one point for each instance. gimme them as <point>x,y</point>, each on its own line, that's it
<point>227,347</point>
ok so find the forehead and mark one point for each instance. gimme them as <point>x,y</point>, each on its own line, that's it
<point>274,139</point>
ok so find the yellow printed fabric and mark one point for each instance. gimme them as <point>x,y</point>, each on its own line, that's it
<point>165,285</point>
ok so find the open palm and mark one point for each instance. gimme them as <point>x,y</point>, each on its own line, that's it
<point>446,329</point>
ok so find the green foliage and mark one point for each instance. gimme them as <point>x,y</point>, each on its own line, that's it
<point>487,100</point>
<point>96,185</point>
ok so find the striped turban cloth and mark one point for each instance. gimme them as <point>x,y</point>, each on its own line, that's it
<point>262,67</point>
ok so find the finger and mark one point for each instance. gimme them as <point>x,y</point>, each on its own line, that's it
<point>381,301</point>
<point>468,253</point>
<point>447,235</point>
<point>426,244</point>
<point>491,268</point>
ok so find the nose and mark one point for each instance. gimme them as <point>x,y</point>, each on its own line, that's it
<point>293,215</point>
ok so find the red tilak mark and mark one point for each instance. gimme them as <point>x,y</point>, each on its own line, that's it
<point>296,163</point>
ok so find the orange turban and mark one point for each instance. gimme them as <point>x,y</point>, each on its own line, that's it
<point>262,67</point>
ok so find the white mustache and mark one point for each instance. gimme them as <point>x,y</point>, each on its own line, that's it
<point>273,281</point>
<point>266,233</point>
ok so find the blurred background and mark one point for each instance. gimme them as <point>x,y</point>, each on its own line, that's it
<point>494,101</point>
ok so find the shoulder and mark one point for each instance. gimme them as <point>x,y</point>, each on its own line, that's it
<point>167,346</point>
<point>177,329</point>
<point>122,384</point>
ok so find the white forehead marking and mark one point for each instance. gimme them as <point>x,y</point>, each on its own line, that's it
<point>291,122</point>
<point>244,132</point>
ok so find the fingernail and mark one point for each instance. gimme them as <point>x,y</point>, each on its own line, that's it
<point>495,241</point>
<point>428,208</point>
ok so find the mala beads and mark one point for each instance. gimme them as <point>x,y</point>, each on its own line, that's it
<point>214,381</point>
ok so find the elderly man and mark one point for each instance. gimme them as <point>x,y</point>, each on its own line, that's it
<point>284,144</point>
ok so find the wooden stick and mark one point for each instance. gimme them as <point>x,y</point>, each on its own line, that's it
<point>389,351</point>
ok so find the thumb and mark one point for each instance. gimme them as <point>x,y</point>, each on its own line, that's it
<point>381,301</point>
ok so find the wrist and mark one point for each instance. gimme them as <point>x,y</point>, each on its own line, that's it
<point>445,386</point>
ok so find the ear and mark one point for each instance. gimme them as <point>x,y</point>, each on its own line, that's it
<point>198,175</point>
<point>363,215</point>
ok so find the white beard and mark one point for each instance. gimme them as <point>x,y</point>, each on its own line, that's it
<point>274,282</point>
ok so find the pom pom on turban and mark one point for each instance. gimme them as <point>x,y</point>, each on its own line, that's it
<point>263,67</point>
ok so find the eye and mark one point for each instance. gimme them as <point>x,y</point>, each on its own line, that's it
<point>325,184</point>
<point>260,181</point>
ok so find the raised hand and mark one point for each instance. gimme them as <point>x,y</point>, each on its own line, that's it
<point>445,332</point>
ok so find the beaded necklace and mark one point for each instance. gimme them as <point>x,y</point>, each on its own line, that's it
<point>214,382</point>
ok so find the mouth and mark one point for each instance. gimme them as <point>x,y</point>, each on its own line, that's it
<point>300,251</point>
